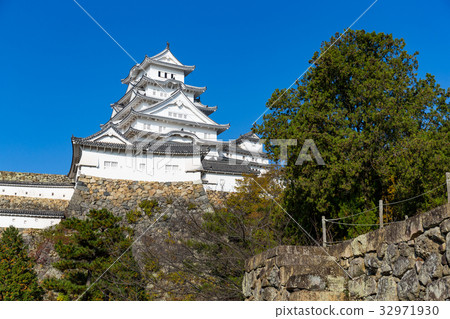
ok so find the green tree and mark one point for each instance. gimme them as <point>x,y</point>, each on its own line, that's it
<point>86,249</point>
<point>18,279</point>
<point>382,131</point>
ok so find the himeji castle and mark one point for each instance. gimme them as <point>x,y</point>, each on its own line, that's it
<point>161,131</point>
<point>159,134</point>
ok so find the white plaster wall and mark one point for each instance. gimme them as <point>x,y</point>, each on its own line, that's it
<point>129,167</point>
<point>169,127</point>
<point>251,147</point>
<point>54,192</point>
<point>152,72</point>
<point>28,222</point>
<point>221,182</point>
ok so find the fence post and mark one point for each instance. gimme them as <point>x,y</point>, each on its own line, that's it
<point>324,232</point>
<point>447,175</point>
<point>380,212</point>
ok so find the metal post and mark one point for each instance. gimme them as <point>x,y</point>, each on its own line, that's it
<point>324,232</point>
<point>447,175</point>
<point>406,217</point>
<point>380,211</point>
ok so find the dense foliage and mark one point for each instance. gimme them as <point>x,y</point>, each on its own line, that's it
<point>88,250</point>
<point>382,131</point>
<point>18,280</point>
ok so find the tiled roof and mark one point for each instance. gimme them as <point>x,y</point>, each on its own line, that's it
<point>230,148</point>
<point>31,213</point>
<point>36,184</point>
<point>228,166</point>
<point>152,147</point>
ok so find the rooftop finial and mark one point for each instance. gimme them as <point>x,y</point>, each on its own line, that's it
<point>168,45</point>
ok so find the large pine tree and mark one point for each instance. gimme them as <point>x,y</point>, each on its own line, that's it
<point>18,279</point>
<point>87,249</point>
<point>383,132</point>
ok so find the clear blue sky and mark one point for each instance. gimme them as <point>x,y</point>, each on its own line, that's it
<point>60,71</point>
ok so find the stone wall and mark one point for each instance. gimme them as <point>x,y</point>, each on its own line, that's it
<point>30,203</point>
<point>217,198</point>
<point>293,273</point>
<point>407,260</point>
<point>122,196</point>
<point>34,178</point>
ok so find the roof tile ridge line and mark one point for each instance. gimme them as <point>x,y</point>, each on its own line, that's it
<point>205,106</point>
<point>204,150</point>
<point>132,68</point>
<point>215,123</point>
<point>175,66</point>
<point>138,95</point>
<point>152,59</point>
<point>123,96</point>
<point>126,108</point>
<point>167,49</point>
<point>174,80</point>
<point>103,130</point>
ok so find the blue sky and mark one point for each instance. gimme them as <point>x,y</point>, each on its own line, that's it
<point>60,71</point>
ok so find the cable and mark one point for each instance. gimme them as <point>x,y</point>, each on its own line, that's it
<point>387,204</point>
<point>337,223</point>
<point>405,200</point>
<point>345,217</point>
<point>338,242</point>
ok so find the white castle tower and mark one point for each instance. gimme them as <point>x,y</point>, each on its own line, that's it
<point>160,131</point>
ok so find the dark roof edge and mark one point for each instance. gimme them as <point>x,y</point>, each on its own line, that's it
<point>32,213</point>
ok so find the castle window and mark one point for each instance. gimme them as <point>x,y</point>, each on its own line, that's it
<point>161,129</point>
<point>173,76</point>
<point>165,75</point>
<point>109,164</point>
<point>159,73</point>
<point>142,166</point>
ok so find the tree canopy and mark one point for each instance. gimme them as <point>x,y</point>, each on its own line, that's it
<point>382,131</point>
<point>88,250</point>
<point>18,279</point>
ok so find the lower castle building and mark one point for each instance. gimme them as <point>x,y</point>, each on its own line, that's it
<point>159,131</point>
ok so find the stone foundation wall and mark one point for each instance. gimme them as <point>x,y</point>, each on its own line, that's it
<point>34,178</point>
<point>121,196</point>
<point>30,203</point>
<point>407,260</point>
<point>217,198</point>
